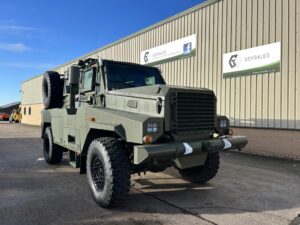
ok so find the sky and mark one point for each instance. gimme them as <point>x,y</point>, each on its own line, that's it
<point>36,36</point>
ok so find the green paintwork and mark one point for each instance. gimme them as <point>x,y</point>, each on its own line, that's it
<point>125,114</point>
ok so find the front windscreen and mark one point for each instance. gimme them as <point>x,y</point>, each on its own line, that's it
<point>121,76</point>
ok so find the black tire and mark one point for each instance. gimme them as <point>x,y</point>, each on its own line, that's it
<point>204,173</point>
<point>52,90</point>
<point>108,173</point>
<point>52,153</point>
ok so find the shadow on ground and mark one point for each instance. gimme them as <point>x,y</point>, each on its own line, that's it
<point>33,192</point>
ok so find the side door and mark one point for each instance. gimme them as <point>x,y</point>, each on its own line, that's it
<point>89,89</point>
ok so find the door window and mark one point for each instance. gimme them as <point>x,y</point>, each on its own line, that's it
<point>88,80</point>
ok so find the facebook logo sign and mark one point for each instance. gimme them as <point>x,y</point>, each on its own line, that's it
<point>187,48</point>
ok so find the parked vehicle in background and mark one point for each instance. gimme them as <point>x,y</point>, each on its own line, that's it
<point>4,116</point>
<point>116,119</point>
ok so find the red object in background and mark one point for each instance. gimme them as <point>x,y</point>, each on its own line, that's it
<point>4,116</point>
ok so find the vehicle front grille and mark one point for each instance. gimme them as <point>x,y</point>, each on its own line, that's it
<point>193,112</point>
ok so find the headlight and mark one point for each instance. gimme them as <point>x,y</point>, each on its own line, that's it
<point>223,124</point>
<point>152,127</point>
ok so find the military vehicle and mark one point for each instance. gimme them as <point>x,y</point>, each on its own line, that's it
<point>116,119</point>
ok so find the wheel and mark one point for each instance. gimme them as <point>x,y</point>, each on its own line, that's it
<point>53,153</point>
<point>52,90</point>
<point>108,173</point>
<point>204,173</point>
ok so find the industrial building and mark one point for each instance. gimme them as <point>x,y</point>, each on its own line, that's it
<point>245,50</point>
<point>8,108</point>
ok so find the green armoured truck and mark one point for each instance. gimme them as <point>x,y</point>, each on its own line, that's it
<point>116,119</point>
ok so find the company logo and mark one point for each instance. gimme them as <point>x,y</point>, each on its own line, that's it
<point>146,59</point>
<point>187,48</point>
<point>233,61</point>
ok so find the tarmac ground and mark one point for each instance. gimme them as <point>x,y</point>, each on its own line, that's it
<point>248,189</point>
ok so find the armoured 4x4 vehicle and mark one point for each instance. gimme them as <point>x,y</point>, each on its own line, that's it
<point>116,119</point>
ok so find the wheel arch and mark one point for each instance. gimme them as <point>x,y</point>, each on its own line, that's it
<point>92,135</point>
<point>43,128</point>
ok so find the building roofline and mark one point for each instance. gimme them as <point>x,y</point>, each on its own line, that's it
<point>167,20</point>
<point>10,105</point>
<point>32,78</point>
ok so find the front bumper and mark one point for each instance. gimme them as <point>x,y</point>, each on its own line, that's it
<point>168,151</point>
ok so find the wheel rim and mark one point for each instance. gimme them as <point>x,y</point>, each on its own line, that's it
<point>97,172</point>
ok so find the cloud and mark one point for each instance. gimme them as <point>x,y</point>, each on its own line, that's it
<point>15,29</point>
<point>27,65</point>
<point>11,28</point>
<point>14,47</point>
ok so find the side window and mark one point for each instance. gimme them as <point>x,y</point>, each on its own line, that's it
<point>88,80</point>
<point>24,110</point>
<point>29,111</point>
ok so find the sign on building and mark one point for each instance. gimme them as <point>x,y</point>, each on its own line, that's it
<point>258,60</point>
<point>170,51</point>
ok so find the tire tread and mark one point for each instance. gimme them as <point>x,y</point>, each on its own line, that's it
<point>120,170</point>
<point>204,173</point>
<point>57,152</point>
<point>55,90</point>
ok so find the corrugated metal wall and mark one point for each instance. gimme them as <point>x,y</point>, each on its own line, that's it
<point>264,100</point>
<point>32,91</point>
